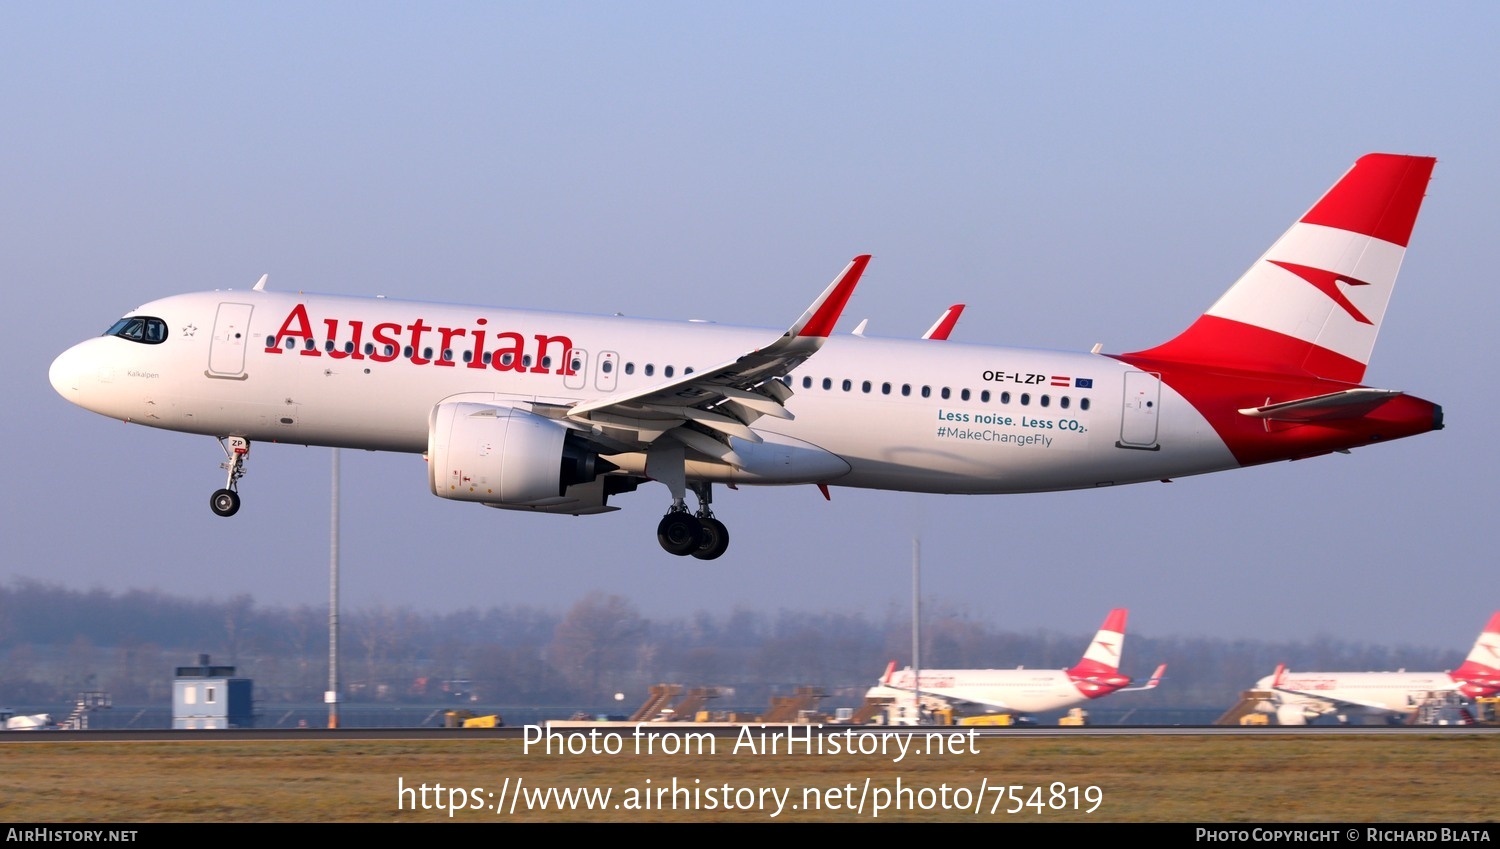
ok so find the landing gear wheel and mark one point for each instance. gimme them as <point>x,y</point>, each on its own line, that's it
<point>679,533</point>
<point>715,538</point>
<point>225,502</point>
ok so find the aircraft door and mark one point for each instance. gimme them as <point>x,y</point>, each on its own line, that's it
<point>606,371</point>
<point>575,370</point>
<point>226,351</point>
<point>1139,419</point>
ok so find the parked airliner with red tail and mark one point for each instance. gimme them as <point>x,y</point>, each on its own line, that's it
<point>1297,697</point>
<point>558,413</point>
<point>1020,690</point>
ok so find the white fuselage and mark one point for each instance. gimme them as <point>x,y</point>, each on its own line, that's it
<point>896,414</point>
<point>1022,691</point>
<point>1356,692</point>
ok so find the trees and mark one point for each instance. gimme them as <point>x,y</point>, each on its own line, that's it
<point>599,645</point>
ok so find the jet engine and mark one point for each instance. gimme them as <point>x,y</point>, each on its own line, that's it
<point>1294,715</point>
<point>504,456</point>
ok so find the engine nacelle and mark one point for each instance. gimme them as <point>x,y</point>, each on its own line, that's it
<point>503,455</point>
<point>1294,714</point>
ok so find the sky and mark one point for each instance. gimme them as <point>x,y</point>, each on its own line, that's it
<point>1074,173</point>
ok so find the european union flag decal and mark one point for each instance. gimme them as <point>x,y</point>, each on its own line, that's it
<point>1083,382</point>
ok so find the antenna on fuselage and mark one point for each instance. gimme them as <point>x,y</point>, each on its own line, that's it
<point>260,285</point>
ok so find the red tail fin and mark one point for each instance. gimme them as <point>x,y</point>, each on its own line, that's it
<point>1480,672</point>
<point>1312,305</point>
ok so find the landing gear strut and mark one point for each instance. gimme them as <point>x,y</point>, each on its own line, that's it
<point>226,501</point>
<point>701,535</point>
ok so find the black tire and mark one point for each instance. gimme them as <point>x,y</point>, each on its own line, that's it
<point>715,539</point>
<point>679,534</point>
<point>225,502</point>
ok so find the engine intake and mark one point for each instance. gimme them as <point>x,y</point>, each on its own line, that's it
<point>504,455</point>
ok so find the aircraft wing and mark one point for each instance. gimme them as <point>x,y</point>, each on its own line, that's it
<point>703,409</point>
<point>1316,696</point>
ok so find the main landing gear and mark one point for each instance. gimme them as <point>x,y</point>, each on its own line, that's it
<point>226,501</point>
<point>701,535</point>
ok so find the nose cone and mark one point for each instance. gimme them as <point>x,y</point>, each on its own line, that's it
<point>65,373</point>
<point>77,373</point>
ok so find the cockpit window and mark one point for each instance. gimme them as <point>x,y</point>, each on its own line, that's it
<point>140,328</point>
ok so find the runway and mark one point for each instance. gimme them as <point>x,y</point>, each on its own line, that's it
<point>727,730</point>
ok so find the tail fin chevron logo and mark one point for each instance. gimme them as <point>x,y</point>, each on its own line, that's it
<point>1327,282</point>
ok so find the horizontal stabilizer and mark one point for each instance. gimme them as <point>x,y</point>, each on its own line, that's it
<point>1348,404</point>
<point>1151,684</point>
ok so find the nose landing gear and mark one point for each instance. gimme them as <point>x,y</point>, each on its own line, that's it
<point>226,501</point>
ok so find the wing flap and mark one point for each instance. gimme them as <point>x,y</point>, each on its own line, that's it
<point>715,421</point>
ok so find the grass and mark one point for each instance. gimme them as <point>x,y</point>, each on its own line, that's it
<point>1261,779</point>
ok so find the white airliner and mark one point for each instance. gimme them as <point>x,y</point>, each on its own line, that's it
<point>556,412</point>
<point>1300,696</point>
<point>1020,690</point>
